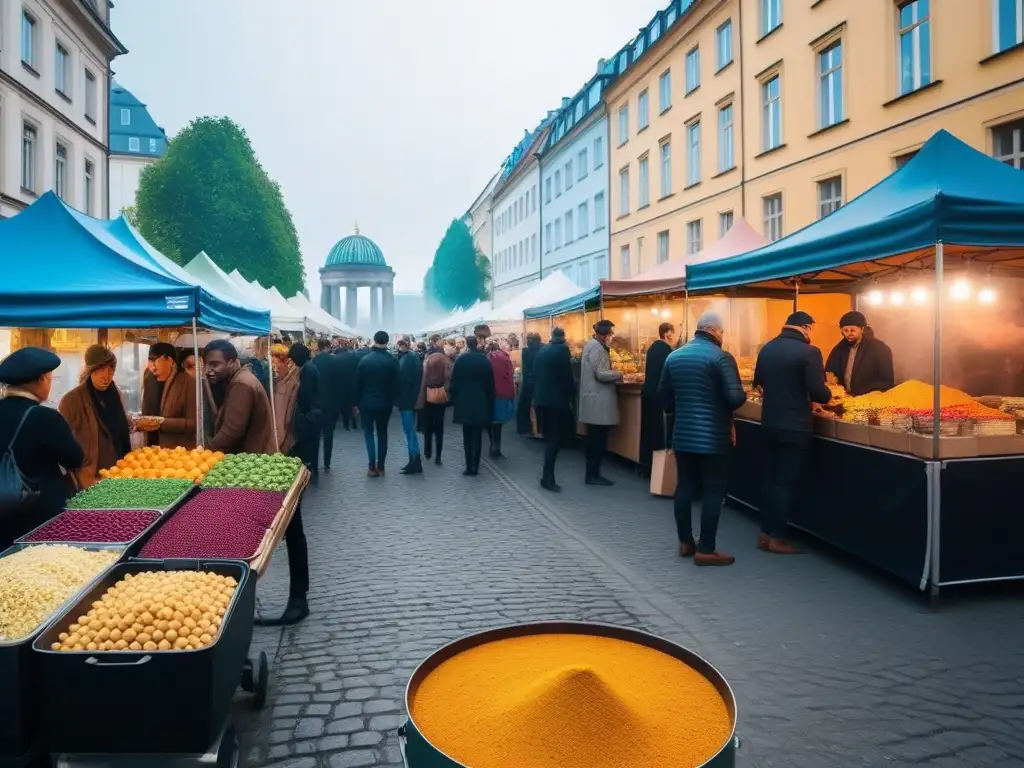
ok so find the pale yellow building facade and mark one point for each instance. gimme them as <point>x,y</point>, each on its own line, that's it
<point>781,110</point>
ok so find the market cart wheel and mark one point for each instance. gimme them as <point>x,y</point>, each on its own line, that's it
<point>228,753</point>
<point>256,679</point>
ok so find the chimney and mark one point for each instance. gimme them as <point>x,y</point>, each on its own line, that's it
<point>565,101</point>
<point>600,65</point>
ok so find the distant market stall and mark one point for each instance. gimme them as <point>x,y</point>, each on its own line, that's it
<point>934,255</point>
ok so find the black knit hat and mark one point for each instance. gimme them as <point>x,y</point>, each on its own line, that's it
<point>799,319</point>
<point>854,318</point>
<point>603,327</point>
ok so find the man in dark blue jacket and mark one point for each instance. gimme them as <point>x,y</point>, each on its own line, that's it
<point>553,394</point>
<point>329,368</point>
<point>791,375</point>
<point>347,365</point>
<point>376,389</point>
<point>701,385</point>
<point>410,376</point>
<point>529,360</point>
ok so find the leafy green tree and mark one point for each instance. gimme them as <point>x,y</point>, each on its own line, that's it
<point>210,193</point>
<point>460,272</point>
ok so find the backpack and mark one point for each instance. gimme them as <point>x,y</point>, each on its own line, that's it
<point>16,493</point>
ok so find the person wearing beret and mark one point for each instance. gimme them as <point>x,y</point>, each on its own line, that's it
<point>97,415</point>
<point>860,362</point>
<point>40,440</point>
<point>171,394</point>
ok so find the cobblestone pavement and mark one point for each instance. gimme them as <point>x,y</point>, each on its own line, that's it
<point>832,664</point>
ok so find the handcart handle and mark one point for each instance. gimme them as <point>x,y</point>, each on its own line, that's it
<point>137,663</point>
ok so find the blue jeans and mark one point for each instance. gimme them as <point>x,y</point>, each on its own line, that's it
<point>376,450</point>
<point>409,427</point>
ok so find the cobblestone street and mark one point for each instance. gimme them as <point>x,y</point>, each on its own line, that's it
<point>832,663</point>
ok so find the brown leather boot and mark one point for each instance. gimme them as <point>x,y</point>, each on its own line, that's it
<point>762,541</point>
<point>782,547</point>
<point>687,549</point>
<point>713,558</point>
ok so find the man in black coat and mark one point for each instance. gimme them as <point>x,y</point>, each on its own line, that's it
<point>553,395</point>
<point>410,376</point>
<point>652,412</point>
<point>528,360</point>
<point>791,376</point>
<point>860,362</point>
<point>348,363</point>
<point>329,368</point>
<point>472,394</point>
<point>376,390</point>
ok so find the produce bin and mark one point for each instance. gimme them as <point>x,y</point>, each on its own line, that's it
<point>418,752</point>
<point>18,689</point>
<point>144,533</point>
<point>162,510</point>
<point>151,702</point>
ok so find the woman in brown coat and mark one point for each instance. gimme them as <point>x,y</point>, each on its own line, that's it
<point>171,394</point>
<point>97,416</point>
<point>437,376</point>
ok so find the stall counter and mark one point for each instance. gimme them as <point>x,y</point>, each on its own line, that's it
<point>624,437</point>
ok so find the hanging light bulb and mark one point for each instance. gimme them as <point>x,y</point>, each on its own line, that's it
<point>919,295</point>
<point>666,314</point>
<point>960,290</point>
<point>875,298</point>
<point>987,296</point>
<point>654,311</point>
<point>896,298</point>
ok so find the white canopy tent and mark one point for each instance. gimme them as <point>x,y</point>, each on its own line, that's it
<point>203,268</point>
<point>554,287</point>
<point>458,319</point>
<point>338,328</point>
<point>283,316</point>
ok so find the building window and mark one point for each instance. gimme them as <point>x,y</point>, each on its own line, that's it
<point>830,195</point>
<point>724,223</point>
<point>694,236</point>
<point>644,183</point>
<point>133,143</point>
<point>1008,24</point>
<point>914,46</point>
<point>568,175</point>
<point>692,153</point>
<point>533,247</point>
<point>771,15</point>
<point>726,156</point>
<point>570,230</point>
<point>643,117</point>
<point>558,233</point>
<point>60,172</point>
<point>61,70</point>
<point>663,246</point>
<point>88,186</point>
<point>624,261</point>
<point>693,70</point>
<point>830,85</point>
<point>901,160</point>
<point>547,190</point>
<point>28,158</point>
<point>723,40</point>
<point>772,216</point>
<point>665,156</point>
<point>558,183</point>
<point>28,39</point>
<point>533,196</point>
<point>599,211</point>
<point>623,124</point>
<point>90,96</point>
<point>665,90</point>
<point>584,274</point>
<point>624,191</point>
<point>1008,144</point>
<point>598,152</point>
<point>771,113</point>
<point>600,267</point>
<point>126,116</point>
<point>547,238</point>
<point>583,223</point>
<point>581,165</point>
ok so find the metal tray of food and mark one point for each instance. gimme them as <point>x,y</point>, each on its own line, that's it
<point>98,544</point>
<point>161,510</point>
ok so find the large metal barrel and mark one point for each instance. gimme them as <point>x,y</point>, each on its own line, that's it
<point>420,753</point>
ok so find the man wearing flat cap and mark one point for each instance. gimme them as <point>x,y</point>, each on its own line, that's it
<point>791,376</point>
<point>860,362</point>
<point>599,399</point>
<point>43,446</point>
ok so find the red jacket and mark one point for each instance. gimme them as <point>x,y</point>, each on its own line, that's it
<point>504,374</point>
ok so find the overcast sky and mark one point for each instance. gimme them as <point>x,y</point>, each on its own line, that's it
<point>392,113</point>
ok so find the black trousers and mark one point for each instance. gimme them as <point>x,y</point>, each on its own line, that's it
<point>376,418</point>
<point>432,417</point>
<point>523,425</point>
<point>494,437</point>
<point>348,417</point>
<point>594,445</point>
<point>329,422</point>
<point>298,551</point>
<point>786,455</point>
<point>472,439</point>
<point>704,476</point>
<point>555,425</point>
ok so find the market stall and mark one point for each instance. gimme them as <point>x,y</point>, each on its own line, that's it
<point>918,480</point>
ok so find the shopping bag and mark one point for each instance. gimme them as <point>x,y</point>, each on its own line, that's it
<point>663,473</point>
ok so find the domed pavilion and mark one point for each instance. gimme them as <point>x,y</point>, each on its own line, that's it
<point>353,263</point>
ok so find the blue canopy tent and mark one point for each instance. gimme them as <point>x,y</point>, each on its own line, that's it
<point>588,299</point>
<point>949,193</point>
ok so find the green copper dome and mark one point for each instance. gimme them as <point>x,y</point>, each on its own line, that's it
<point>357,251</point>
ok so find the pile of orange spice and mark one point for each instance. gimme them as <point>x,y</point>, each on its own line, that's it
<point>570,701</point>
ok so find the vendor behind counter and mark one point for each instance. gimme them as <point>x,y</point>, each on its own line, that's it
<point>860,362</point>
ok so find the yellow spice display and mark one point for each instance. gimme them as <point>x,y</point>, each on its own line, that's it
<point>912,395</point>
<point>570,701</point>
